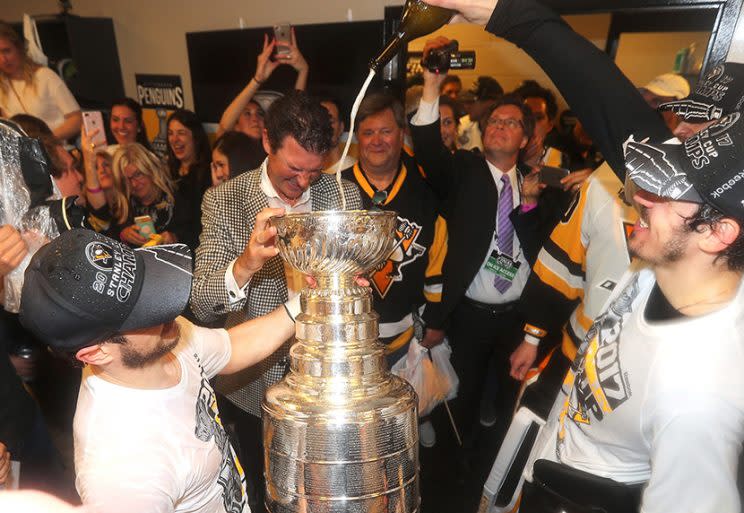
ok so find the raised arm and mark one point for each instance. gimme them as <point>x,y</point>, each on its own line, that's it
<point>606,102</point>
<point>265,66</point>
<point>94,195</point>
<point>431,153</point>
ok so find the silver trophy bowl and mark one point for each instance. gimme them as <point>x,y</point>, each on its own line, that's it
<point>335,243</point>
<point>340,431</point>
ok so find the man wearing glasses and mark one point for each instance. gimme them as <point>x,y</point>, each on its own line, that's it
<point>228,277</point>
<point>493,238</point>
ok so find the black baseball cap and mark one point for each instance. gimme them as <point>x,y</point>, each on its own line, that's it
<point>719,92</point>
<point>707,168</point>
<point>82,288</point>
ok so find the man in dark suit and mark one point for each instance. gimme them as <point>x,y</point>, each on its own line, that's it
<point>228,277</point>
<point>495,232</point>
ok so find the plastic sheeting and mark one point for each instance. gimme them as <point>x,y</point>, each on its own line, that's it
<point>35,224</point>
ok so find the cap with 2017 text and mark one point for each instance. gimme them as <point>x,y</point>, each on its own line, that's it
<point>83,287</point>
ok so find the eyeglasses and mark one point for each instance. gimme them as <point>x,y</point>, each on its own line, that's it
<point>137,176</point>
<point>510,123</point>
<point>378,199</point>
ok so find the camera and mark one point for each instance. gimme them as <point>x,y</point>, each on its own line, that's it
<point>441,60</point>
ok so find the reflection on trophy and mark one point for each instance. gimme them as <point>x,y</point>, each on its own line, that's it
<point>340,431</point>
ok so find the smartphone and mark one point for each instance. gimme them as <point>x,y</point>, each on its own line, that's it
<point>145,225</point>
<point>551,176</point>
<point>93,120</point>
<point>283,37</point>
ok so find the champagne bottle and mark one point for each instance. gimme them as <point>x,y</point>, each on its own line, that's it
<point>419,19</point>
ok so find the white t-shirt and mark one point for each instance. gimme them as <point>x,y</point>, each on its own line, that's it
<point>50,101</point>
<point>159,450</point>
<point>661,402</point>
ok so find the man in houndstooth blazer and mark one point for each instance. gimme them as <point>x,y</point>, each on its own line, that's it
<point>297,136</point>
<point>228,215</point>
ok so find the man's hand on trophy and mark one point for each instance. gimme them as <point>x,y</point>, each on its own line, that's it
<point>473,11</point>
<point>260,248</point>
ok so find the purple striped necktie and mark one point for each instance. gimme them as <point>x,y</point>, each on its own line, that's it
<point>504,229</point>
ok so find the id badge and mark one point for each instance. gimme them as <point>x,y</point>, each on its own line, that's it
<point>502,265</point>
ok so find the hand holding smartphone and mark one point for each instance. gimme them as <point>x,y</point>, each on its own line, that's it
<point>283,38</point>
<point>145,225</point>
<point>93,120</point>
<point>551,176</point>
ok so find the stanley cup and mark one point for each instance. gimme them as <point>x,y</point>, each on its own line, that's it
<point>340,431</point>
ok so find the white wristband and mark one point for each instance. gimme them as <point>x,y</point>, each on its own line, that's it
<point>293,307</point>
<point>531,339</point>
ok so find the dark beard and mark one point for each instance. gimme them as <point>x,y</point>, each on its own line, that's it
<point>133,359</point>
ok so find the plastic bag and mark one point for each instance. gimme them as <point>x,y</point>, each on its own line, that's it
<point>431,384</point>
<point>35,223</point>
<point>440,355</point>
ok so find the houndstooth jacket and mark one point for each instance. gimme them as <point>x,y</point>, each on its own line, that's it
<point>228,214</point>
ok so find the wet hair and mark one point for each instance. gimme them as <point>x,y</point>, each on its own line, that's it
<point>531,89</point>
<point>302,117</point>
<point>242,152</point>
<point>29,66</point>
<point>147,164</point>
<point>379,102</point>
<point>201,143</point>
<point>528,119</point>
<point>708,216</point>
<point>135,107</point>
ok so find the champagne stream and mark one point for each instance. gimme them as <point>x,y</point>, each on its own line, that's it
<point>354,110</point>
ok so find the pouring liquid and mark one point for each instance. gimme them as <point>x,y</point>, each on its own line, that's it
<point>354,110</point>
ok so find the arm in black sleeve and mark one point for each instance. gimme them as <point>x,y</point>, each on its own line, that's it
<point>606,102</point>
<point>435,159</point>
<point>545,307</point>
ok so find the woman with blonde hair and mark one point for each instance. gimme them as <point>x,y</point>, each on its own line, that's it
<point>27,88</point>
<point>153,206</point>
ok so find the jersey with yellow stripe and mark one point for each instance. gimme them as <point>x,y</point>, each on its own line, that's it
<point>412,274</point>
<point>581,263</point>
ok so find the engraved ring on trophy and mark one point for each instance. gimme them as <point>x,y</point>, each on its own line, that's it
<point>340,431</point>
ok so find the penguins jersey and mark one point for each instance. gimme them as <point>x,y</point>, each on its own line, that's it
<point>581,262</point>
<point>411,277</point>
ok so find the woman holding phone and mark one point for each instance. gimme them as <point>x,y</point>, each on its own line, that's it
<point>104,192</point>
<point>153,205</point>
<point>244,114</point>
